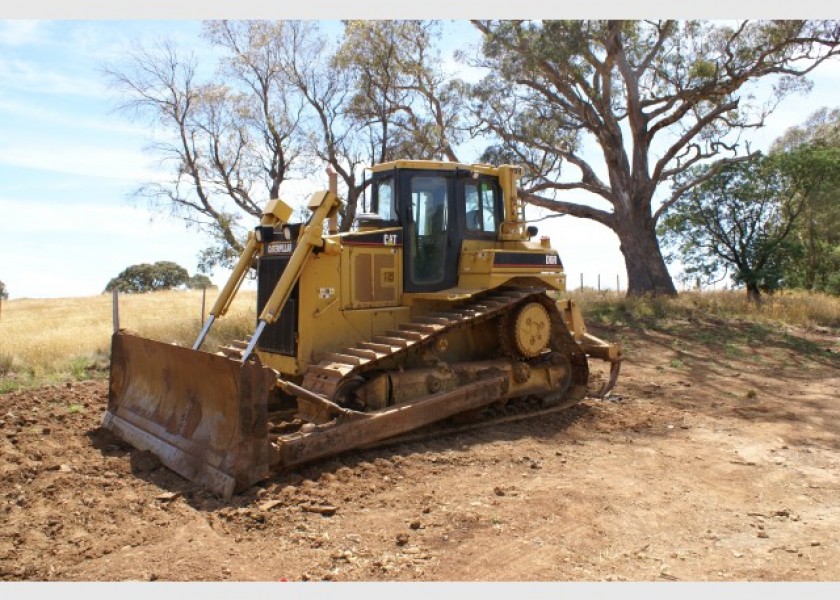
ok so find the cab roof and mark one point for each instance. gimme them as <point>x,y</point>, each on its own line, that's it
<point>435,165</point>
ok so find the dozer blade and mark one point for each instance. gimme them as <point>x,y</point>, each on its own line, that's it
<point>203,415</point>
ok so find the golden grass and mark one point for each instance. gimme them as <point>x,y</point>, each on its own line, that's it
<point>53,340</point>
<point>797,308</point>
<point>43,340</point>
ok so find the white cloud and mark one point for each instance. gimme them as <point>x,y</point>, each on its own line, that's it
<point>91,160</point>
<point>25,217</point>
<point>16,74</point>
<point>20,33</point>
<point>33,112</point>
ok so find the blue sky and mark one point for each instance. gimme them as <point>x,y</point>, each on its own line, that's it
<point>68,163</point>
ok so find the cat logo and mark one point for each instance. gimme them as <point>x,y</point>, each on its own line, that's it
<point>550,259</point>
<point>390,239</point>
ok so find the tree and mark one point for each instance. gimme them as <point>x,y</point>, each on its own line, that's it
<point>145,277</point>
<point>229,143</point>
<point>4,293</point>
<point>657,98</point>
<point>738,219</point>
<point>817,233</point>
<point>199,282</point>
<point>402,88</point>
<point>380,95</point>
<point>284,100</point>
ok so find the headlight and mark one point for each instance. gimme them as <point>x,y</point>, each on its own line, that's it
<point>263,233</point>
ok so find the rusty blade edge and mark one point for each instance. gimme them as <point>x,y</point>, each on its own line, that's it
<point>176,459</point>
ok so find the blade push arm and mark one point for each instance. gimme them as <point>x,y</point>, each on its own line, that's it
<point>276,211</point>
<point>324,204</point>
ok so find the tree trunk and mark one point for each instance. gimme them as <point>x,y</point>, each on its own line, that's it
<point>753,293</point>
<point>353,196</point>
<point>646,270</point>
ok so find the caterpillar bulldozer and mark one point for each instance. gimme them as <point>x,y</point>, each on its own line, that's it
<point>437,305</point>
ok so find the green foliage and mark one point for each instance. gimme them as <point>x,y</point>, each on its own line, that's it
<point>199,282</point>
<point>145,277</point>
<point>813,149</point>
<point>738,220</point>
<point>4,293</point>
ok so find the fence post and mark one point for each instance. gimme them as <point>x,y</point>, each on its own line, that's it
<point>1,307</point>
<point>203,296</point>
<point>599,282</point>
<point>116,304</point>
<point>617,286</point>
<point>581,281</point>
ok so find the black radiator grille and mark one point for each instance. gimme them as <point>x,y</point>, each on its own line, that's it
<point>281,336</point>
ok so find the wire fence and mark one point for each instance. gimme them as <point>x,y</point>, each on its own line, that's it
<point>599,283</point>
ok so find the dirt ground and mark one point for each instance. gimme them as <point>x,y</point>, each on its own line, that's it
<point>717,459</point>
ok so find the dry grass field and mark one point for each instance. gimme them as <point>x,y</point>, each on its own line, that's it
<point>44,341</point>
<point>61,339</point>
<point>800,309</point>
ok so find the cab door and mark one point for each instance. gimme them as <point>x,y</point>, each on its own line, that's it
<point>432,244</point>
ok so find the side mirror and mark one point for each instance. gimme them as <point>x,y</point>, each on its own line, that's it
<point>532,230</point>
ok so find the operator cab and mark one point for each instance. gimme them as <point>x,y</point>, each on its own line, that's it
<point>438,205</point>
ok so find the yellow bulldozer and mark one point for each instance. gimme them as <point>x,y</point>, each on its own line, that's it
<point>439,304</point>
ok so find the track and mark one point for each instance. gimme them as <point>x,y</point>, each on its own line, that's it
<point>328,376</point>
<point>405,345</point>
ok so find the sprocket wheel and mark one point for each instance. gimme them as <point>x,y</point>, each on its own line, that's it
<point>531,329</point>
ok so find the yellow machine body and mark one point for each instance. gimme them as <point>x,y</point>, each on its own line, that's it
<point>438,302</point>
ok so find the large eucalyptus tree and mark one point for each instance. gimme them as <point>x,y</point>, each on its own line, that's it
<point>653,98</point>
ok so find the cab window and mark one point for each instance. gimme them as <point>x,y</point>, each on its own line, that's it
<point>428,239</point>
<point>480,205</point>
<point>384,199</point>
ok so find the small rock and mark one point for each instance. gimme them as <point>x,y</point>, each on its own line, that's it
<point>402,539</point>
<point>153,577</point>
<point>498,491</point>
<point>327,510</point>
<point>64,469</point>
<point>270,504</point>
<point>815,543</point>
<point>415,525</point>
<point>167,496</point>
<point>763,534</point>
